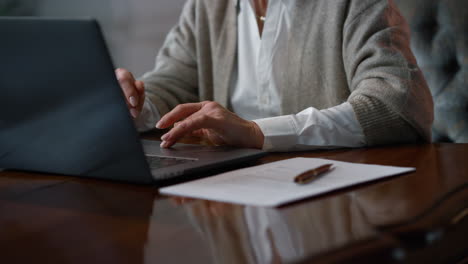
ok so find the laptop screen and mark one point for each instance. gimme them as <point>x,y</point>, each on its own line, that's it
<point>62,110</point>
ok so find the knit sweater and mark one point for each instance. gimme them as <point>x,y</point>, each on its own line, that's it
<point>341,50</point>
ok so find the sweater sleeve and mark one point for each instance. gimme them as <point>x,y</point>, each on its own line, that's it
<point>388,91</point>
<point>174,79</point>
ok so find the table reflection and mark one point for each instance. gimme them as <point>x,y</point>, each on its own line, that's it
<point>439,176</point>
<point>245,234</point>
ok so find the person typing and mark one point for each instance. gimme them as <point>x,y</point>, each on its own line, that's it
<point>285,75</point>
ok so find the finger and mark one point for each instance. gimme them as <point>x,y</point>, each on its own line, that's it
<point>198,133</point>
<point>134,112</point>
<point>178,113</point>
<point>210,137</point>
<point>127,83</point>
<point>216,140</point>
<point>190,124</point>
<point>140,86</point>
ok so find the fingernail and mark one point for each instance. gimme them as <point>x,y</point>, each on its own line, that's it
<point>164,144</point>
<point>158,124</point>
<point>134,113</point>
<point>165,136</point>
<point>133,101</point>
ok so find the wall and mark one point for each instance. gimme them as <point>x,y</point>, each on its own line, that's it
<point>134,29</point>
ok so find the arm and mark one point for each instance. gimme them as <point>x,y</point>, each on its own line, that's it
<point>388,91</point>
<point>174,78</point>
<point>173,81</point>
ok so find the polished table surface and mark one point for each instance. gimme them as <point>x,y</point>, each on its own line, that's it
<point>420,217</point>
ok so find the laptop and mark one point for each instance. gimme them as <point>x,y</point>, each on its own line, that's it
<point>62,110</point>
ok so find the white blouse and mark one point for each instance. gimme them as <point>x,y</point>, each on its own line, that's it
<point>255,94</point>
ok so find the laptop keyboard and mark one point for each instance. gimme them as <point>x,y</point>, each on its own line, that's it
<point>156,162</point>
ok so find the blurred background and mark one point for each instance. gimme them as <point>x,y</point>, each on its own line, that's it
<point>134,29</point>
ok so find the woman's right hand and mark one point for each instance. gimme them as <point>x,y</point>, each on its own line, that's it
<point>133,90</point>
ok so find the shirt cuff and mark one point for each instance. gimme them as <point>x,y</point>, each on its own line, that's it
<point>330,128</point>
<point>278,132</point>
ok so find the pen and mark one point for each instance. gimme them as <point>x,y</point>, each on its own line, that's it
<point>312,174</point>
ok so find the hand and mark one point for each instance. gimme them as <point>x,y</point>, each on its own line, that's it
<point>211,121</point>
<point>134,91</point>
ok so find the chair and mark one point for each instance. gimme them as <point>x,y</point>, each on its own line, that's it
<point>439,40</point>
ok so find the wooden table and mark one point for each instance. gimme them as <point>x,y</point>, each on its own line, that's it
<point>418,217</point>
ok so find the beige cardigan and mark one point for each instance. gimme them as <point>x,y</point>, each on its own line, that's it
<point>339,50</point>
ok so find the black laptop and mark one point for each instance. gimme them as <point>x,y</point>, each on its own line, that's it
<point>62,110</point>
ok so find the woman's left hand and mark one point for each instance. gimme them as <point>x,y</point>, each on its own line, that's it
<point>211,121</point>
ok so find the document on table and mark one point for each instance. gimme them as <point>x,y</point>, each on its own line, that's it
<point>273,184</point>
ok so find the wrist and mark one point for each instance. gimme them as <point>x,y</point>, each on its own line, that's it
<point>258,136</point>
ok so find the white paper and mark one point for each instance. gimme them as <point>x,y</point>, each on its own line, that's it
<point>273,184</point>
